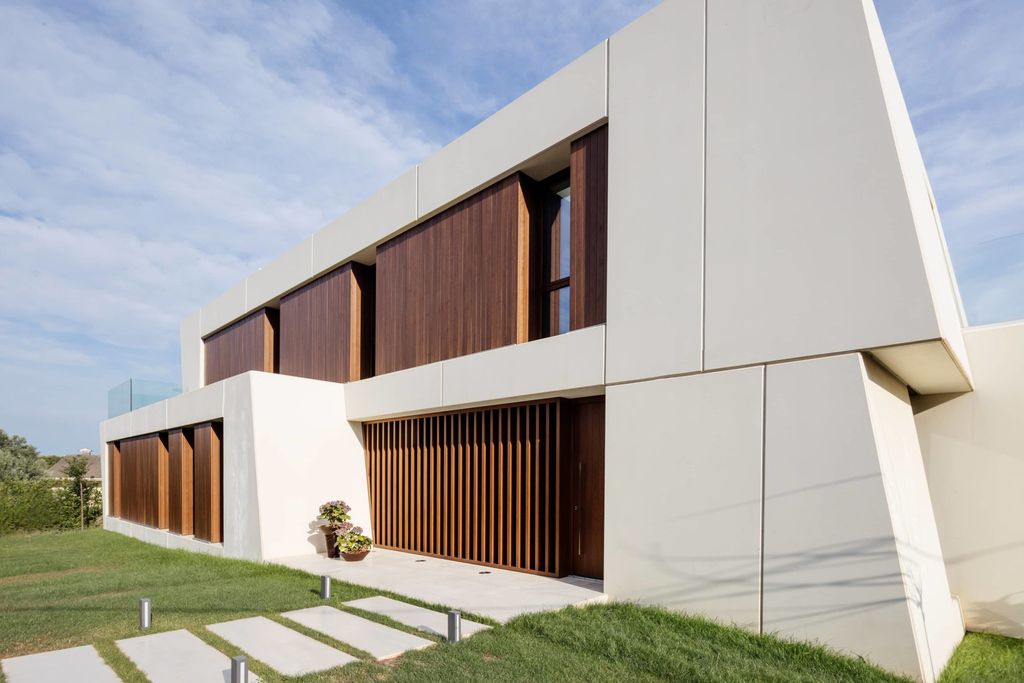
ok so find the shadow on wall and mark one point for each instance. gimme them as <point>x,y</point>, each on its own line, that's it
<point>316,537</point>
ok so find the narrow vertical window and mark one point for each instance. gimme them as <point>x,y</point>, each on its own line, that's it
<point>557,250</point>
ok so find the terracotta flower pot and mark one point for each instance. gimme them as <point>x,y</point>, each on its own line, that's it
<point>329,536</point>
<point>355,557</point>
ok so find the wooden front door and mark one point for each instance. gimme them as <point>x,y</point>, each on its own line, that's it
<point>587,477</point>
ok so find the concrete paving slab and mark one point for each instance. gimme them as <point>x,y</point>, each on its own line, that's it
<point>81,664</point>
<point>500,594</point>
<point>411,615</point>
<point>175,656</point>
<point>383,642</point>
<point>279,647</point>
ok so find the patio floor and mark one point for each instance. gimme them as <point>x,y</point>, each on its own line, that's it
<point>496,593</point>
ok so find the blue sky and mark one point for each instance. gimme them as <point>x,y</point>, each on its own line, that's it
<point>153,153</point>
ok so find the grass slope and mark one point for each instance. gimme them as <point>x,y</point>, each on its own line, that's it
<point>61,590</point>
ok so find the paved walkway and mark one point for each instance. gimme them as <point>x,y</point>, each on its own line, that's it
<point>175,656</point>
<point>416,617</point>
<point>383,642</point>
<point>80,664</point>
<point>500,594</point>
<point>279,647</point>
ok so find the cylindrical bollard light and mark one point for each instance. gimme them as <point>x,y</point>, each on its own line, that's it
<point>325,587</point>
<point>145,614</point>
<point>454,626</point>
<point>239,669</point>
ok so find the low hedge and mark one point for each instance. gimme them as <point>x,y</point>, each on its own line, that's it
<point>41,504</point>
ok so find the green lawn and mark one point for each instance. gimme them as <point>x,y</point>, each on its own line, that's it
<point>61,590</point>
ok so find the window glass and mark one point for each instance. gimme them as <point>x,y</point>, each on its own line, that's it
<point>563,310</point>
<point>564,224</point>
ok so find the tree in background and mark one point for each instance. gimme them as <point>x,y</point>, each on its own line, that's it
<point>19,460</point>
<point>79,496</point>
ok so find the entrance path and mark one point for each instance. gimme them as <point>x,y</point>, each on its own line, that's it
<point>279,647</point>
<point>81,664</point>
<point>411,615</point>
<point>500,594</point>
<point>383,642</point>
<point>175,656</point>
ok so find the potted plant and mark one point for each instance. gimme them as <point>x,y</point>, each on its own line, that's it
<point>333,514</point>
<point>352,544</point>
<point>341,536</point>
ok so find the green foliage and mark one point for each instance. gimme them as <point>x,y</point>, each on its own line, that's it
<point>49,460</point>
<point>30,506</point>
<point>19,460</point>
<point>352,542</point>
<point>986,658</point>
<point>43,504</point>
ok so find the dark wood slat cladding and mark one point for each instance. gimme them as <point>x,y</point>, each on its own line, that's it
<point>248,344</point>
<point>180,484</point>
<point>114,478</point>
<point>588,170</point>
<point>588,487</point>
<point>326,327</point>
<point>208,512</point>
<point>143,480</point>
<point>482,486</point>
<point>461,282</point>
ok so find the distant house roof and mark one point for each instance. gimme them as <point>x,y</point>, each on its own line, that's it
<point>56,471</point>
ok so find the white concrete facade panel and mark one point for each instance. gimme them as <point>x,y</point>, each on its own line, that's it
<point>406,391</point>
<point>973,448</point>
<point>554,366</point>
<point>151,418</point>
<point>226,308</point>
<point>683,493</point>
<point>656,193</point>
<point>832,569</point>
<point>384,213</point>
<point>286,272</point>
<point>306,453</point>
<point>201,405</point>
<point>811,246</point>
<point>566,103</point>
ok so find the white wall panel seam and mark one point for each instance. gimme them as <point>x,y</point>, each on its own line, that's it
<point>704,197</point>
<point>764,429</point>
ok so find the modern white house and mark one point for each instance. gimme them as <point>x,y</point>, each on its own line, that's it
<point>680,318</point>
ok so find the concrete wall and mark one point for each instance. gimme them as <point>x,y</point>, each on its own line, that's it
<point>287,447</point>
<point>973,447</point>
<point>683,494</point>
<point>810,235</point>
<point>851,556</point>
<point>656,193</point>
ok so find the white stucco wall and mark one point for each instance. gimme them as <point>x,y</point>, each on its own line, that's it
<point>683,494</point>
<point>973,448</point>
<point>851,557</point>
<point>287,446</point>
<point>656,193</point>
<point>810,238</point>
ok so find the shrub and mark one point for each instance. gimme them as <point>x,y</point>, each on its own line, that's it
<point>42,504</point>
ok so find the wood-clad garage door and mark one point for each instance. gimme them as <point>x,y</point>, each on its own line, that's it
<point>492,486</point>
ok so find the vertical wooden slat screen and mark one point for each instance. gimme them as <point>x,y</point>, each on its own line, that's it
<point>482,486</point>
<point>326,327</point>
<point>460,282</point>
<point>208,513</point>
<point>142,481</point>
<point>249,344</point>
<point>588,168</point>
<point>114,478</point>
<point>179,450</point>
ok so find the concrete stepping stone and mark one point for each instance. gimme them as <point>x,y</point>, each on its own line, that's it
<point>411,615</point>
<point>383,642</point>
<point>82,664</point>
<point>279,647</point>
<point>175,656</point>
